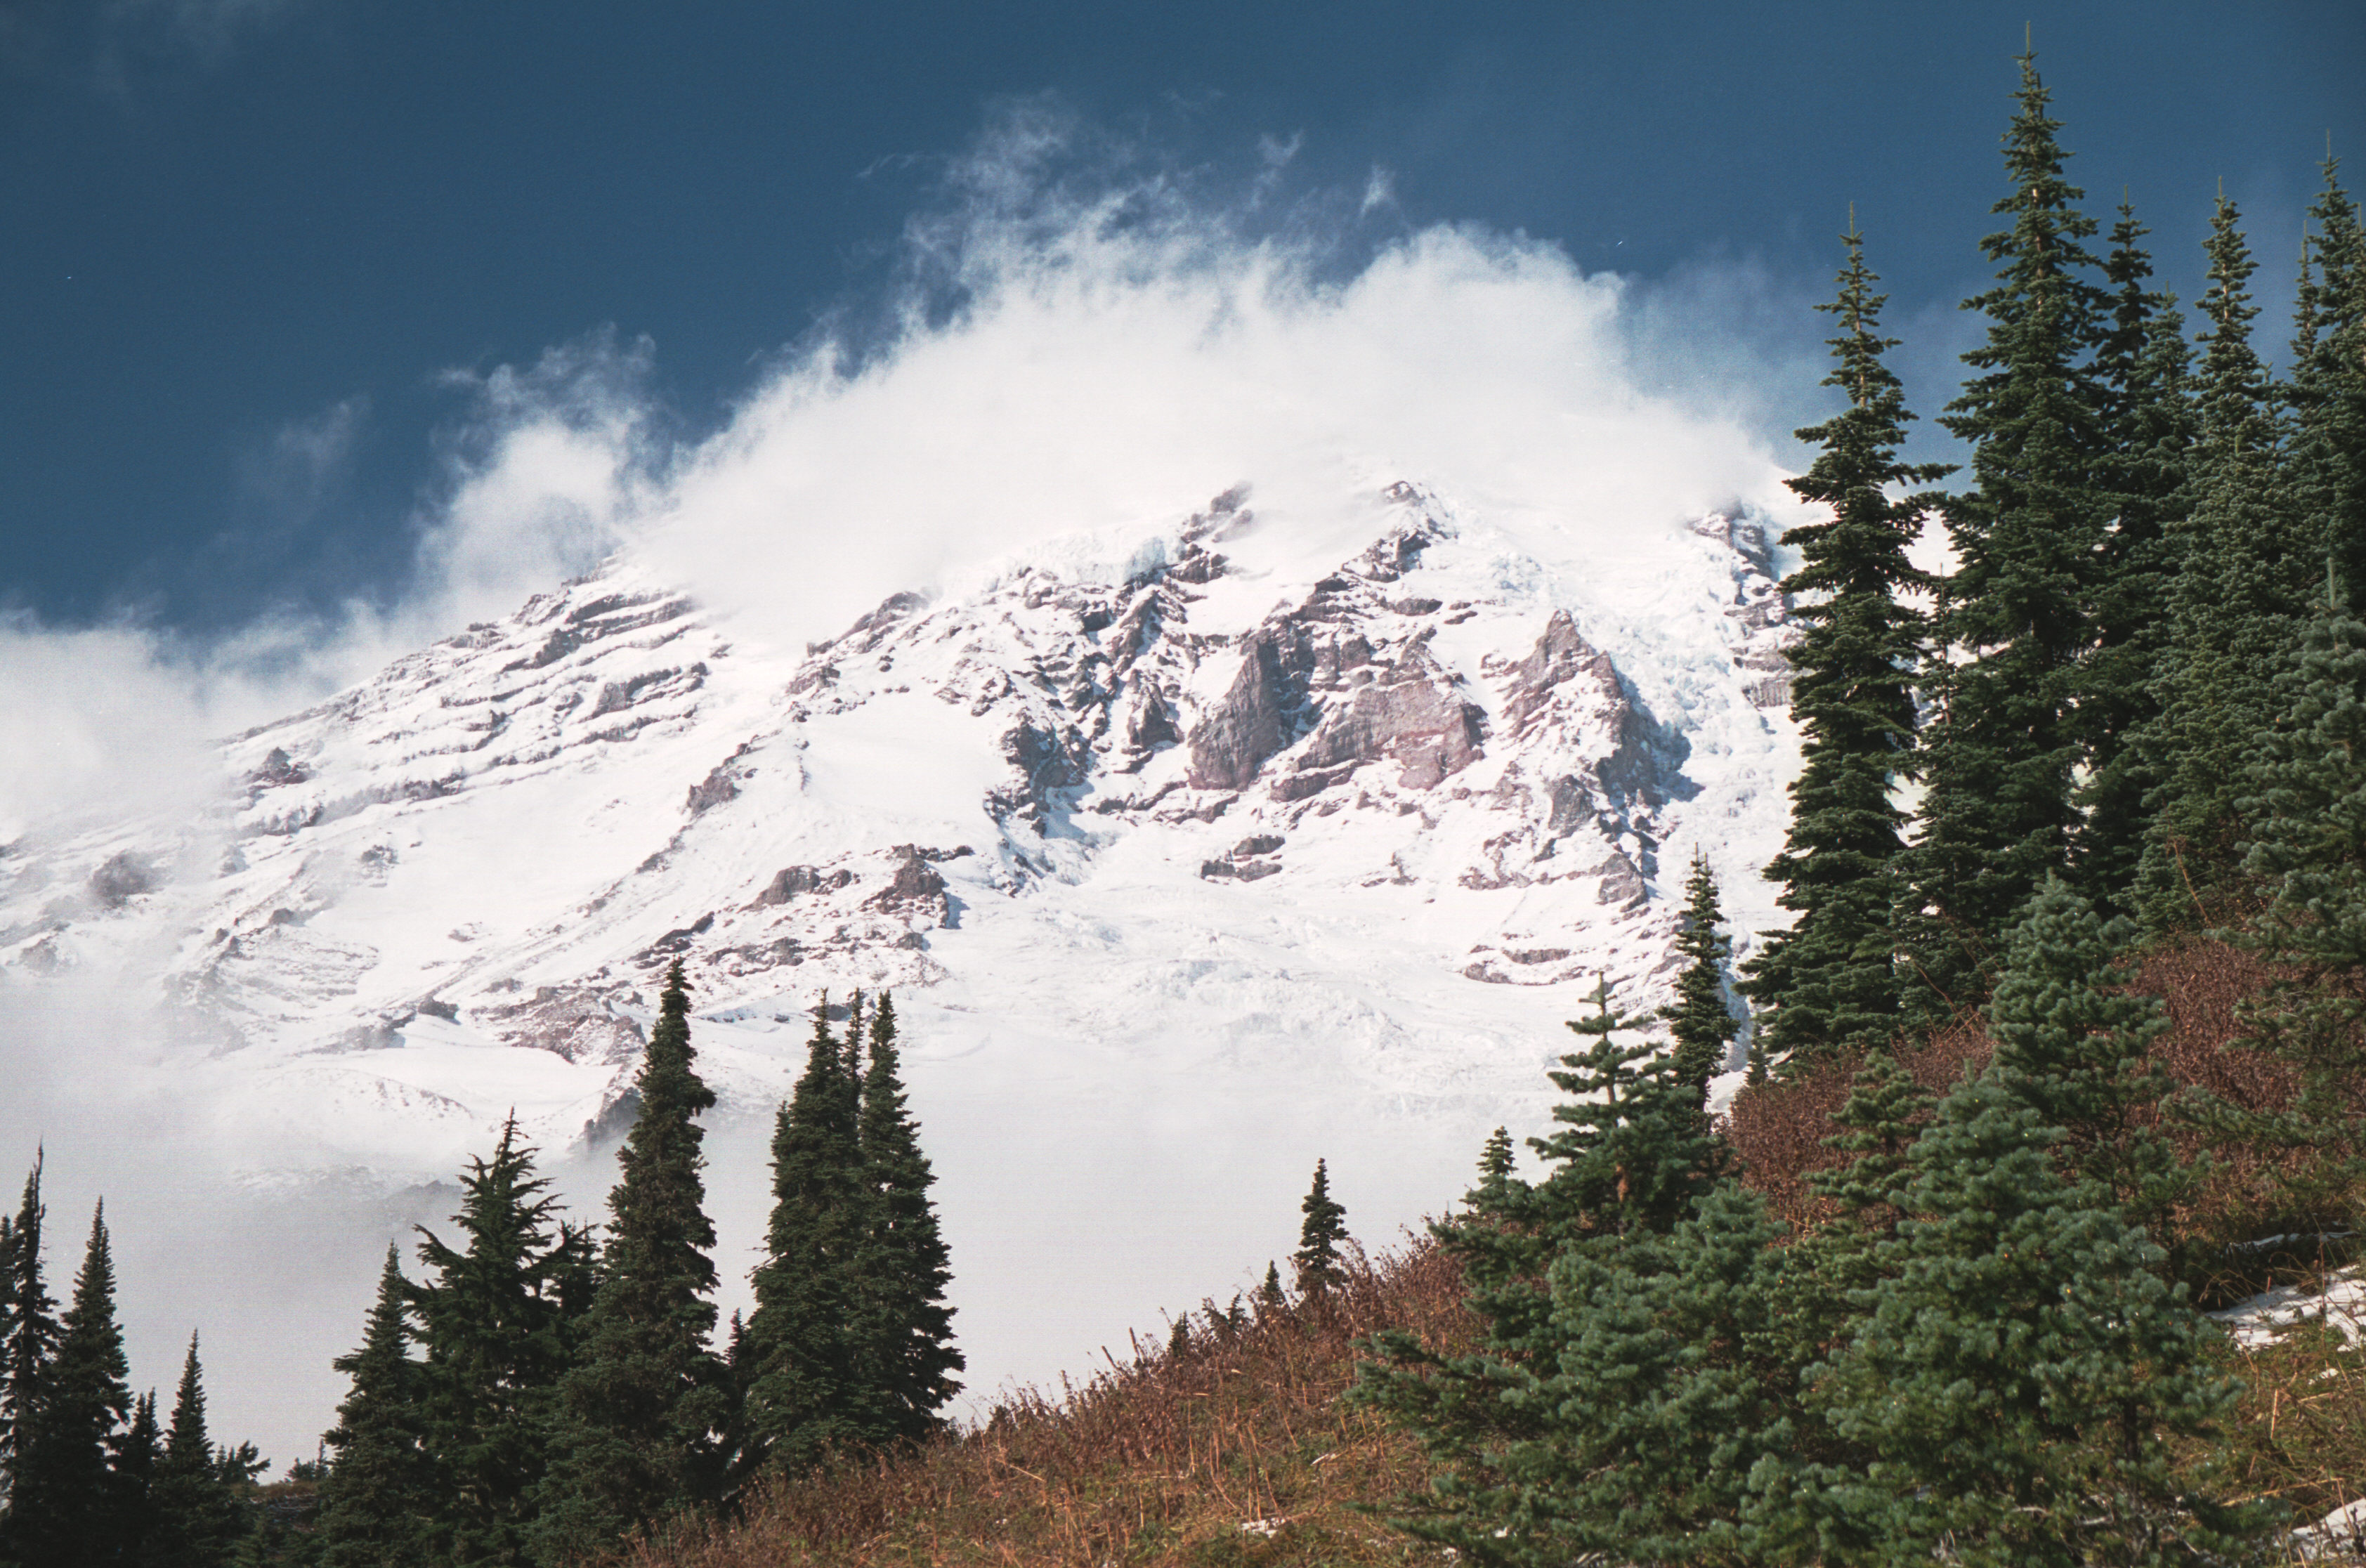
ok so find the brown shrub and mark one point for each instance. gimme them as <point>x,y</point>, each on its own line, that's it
<point>1164,1458</point>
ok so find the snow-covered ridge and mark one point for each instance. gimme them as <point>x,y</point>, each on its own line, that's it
<point>1371,802</point>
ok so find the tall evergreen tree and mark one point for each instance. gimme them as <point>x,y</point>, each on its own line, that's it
<point>1830,980</point>
<point>2076,1039</point>
<point>642,1414</point>
<point>28,1340</point>
<point>2012,619</point>
<point>2142,366</point>
<point>2022,1369</point>
<point>199,1510</point>
<point>69,1507</point>
<point>805,1396</point>
<point>2243,586</point>
<point>1702,1025</point>
<point>2325,393</point>
<point>1320,1233</point>
<point>910,1359</point>
<point>2308,799</point>
<point>496,1322</point>
<point>380,1491</point>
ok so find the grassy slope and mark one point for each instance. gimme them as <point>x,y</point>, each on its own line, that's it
<point>1165,1459</point>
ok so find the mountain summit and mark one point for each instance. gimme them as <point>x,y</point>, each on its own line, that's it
<point>1370,799</point>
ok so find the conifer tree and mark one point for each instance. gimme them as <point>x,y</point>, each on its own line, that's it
<point>2021,1368</point>
<point>2142,366</point>
<point>379,1493</point>
<point>1496,1167</point>
<point>2308,796</point>
<point>68,1506</point>
<point>137,1461</point>
<point>1702,1027</point>
<point>199,1512</point>
<point>642,1414</point>
<point>1829,981</point>
<point>28,1339</point>
<point>2326,394</point>
<point>2241,591</point>
<point>909,1362</point>
<point>496,1322</point>
<point>1636,1419</point>
<point>1632,1153</point>
<point>805,1397</point>
<point>1319,1235</point>
<point>1270,1293</point>
<point>2000,748</point>
<point>2076,1039</point>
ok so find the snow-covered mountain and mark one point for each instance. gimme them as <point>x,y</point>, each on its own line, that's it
<point>1362,805</point>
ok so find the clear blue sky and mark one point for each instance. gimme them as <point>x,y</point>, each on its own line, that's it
<point>226,223</point>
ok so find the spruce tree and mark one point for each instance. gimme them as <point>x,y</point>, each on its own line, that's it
<point>28,1342</point>
<point>2022,1369</point>
<point>910,1359</point>
<point>1495,1169</point>
<point>379,1493</point>
<point>1700,1021</point>
<point>1830,980</point>
<point>137,1461</point>
<point>497,1326</point>
<point>805,1396</point>
<point>1633,1423</point>
<point>199,1511</point>
<point>2142,366</point>
<point>2325,396</point>
<point>1325,1226</point>
<point>69,1506</point>
<point>2307,795</point>
<point>2076,1039</point>
<point>643,1414</point>
<point>2241,592</point>
<point>2012,619</point>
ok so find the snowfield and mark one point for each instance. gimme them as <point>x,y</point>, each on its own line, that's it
<point>1191,851</point>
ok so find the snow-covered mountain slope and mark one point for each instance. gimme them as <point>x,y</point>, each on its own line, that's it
<point>1360,807</point>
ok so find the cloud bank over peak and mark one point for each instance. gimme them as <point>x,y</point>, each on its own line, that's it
<point>1078,335</point>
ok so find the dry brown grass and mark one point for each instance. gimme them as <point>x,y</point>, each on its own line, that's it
<point>2298,1433</point>
<point>1162,1458</point>
<point>1777,1129</point>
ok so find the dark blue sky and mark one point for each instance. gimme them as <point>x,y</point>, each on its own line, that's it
<point>232,230</point>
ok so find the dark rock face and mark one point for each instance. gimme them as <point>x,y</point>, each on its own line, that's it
<point>1254,718</point>
<point>1561,658</point>
<point>574,1022</point>
<point>790,881</point>
<point>124,877</point>
<point>1418,722</point>
<point>916,886</point>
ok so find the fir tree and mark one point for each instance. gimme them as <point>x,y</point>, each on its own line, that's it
<point>1830,980</point>
<point>1496,1167</point>
<point>2242,588</point>
<point>1325,1226</point>
<point>2012,619</point>
<point>378,1496</point>
<point>909,1360</point>
<point>1270,1293</point>
<point>1700,1021</point>
<point>2022,1369</point>
<point>2308,784</point>
<point>805,1397</point>
<point>2324,398</point>
<point>69,1506</point>
<point>199,1509</point>
<point>28,1339</point>
<point>643,1413</point>
<point>137,1461</point>
<point>495,1320</point>
<point>1639,1416</point>
<point>2075,1039</point>
<point>2142,366</point>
